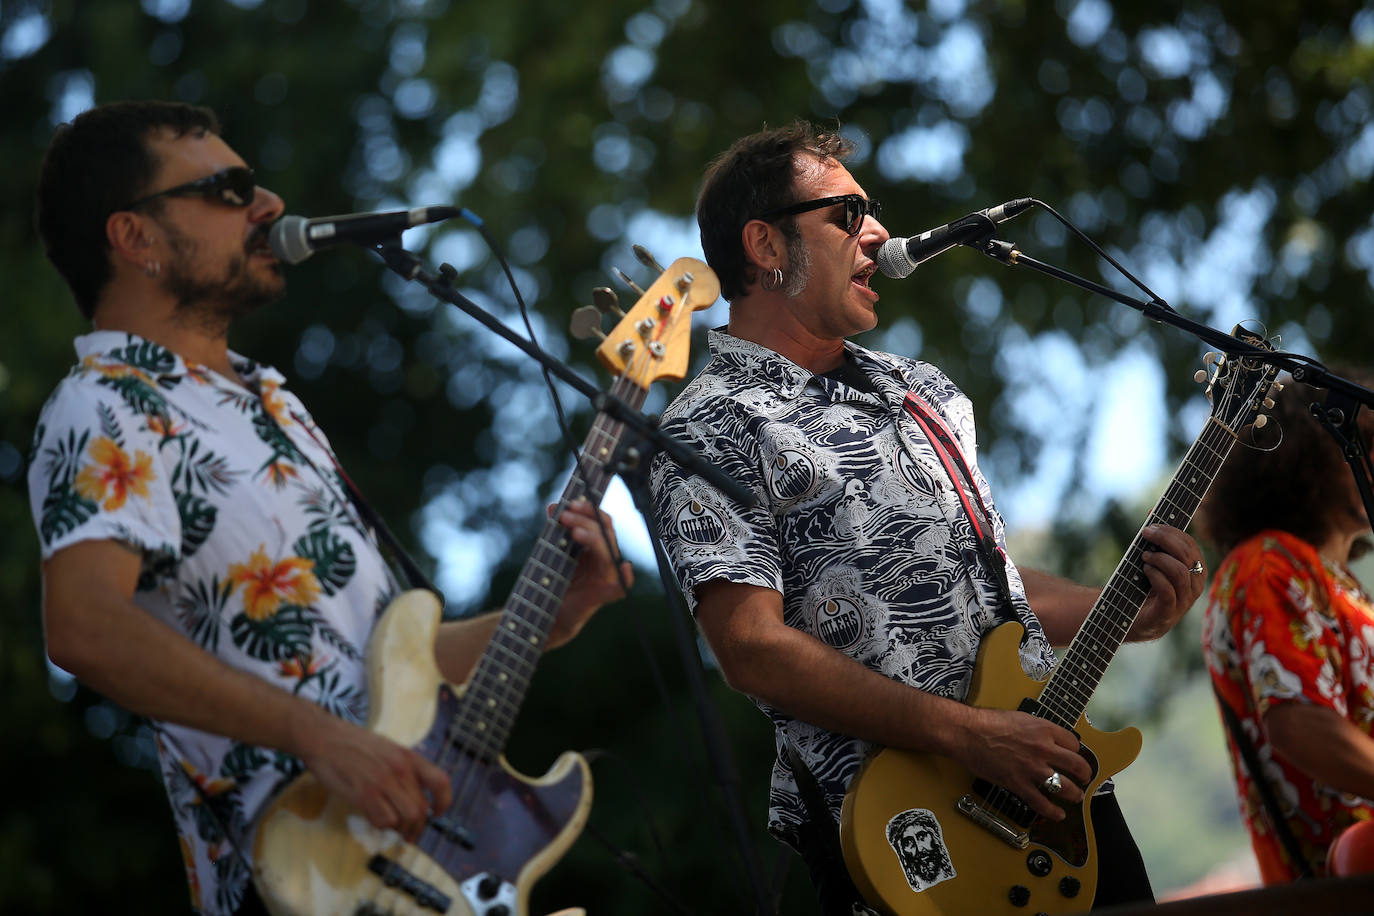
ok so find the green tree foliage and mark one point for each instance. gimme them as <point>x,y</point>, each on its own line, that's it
<point>1222,151</point>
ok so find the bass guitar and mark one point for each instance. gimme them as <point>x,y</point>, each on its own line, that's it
<point>313,855</point>
<point>922,836</point>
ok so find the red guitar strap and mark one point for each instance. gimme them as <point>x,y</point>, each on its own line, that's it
<point>946,447</point>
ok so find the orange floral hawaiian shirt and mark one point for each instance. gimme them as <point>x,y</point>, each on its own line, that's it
<point>1285,626</point>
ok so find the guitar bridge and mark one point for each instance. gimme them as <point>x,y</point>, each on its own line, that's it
<point>1013,835</point>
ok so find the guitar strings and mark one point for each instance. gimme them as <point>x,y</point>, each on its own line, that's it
<point>631,386</point>
<point>1065,706</point>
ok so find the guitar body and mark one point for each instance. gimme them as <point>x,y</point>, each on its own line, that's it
<point>980,869</point>
<point>313,854</point>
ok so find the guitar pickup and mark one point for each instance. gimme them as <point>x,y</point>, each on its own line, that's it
<point>452,830</point>
<point>422,892</point>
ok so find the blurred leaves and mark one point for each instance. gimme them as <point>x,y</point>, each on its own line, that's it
<point>1223,153</point>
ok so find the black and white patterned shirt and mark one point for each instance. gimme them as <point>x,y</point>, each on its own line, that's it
<point>857,525</point>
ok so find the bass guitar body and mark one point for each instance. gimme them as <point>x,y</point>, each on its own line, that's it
<point>924,837</point>
<point>314,855</point>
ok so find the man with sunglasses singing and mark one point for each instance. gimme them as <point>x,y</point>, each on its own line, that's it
<point>203,563</point>
<point>850,601</point>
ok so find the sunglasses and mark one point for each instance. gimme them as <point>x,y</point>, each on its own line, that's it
<point>233,187</point>
<point>856,207</point>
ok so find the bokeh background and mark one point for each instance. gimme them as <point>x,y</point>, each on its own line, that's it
<point>1221,150</point>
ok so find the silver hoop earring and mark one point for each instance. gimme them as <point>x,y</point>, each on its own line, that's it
<point>152,268</point>
<point>772,279</point>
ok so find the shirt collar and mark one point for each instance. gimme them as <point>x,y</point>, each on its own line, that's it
<point>160,362</point>
<point>772,370</point>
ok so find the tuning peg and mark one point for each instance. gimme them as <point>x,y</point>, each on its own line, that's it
<point>1209,357</point>
<point>646,259</point>
<point>1277,386</point>
<point>1261,421</point>
<point>625,278</point>
<point>605,299</point>
<point>1200,376</point>
<point>1268,403</point>
<point>586,323</point>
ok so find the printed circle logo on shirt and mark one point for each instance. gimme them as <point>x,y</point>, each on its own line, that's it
<point>909,471</point>
<point>791,475</point>
<point>699,524</point>
<point>839,622</point>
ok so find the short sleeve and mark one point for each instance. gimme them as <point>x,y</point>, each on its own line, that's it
<point>1289,645</point>
<point>97,473</point>
<point>707,535</point>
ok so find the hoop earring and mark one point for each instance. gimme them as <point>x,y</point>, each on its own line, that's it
<point>772,279</point>
<point>152,268</point>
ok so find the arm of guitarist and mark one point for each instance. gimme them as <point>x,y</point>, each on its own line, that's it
<point>95,631</point>
<point>596,581</point>
<point>761,656</point>
<point>1062,605</point>
<point>1324,745</point>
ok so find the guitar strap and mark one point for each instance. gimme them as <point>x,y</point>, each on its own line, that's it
<point>413,574</point>
<point>946,447</point>
<point>1261,784</point>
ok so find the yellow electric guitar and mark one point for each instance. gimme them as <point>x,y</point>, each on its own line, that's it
<point>923,837</point>
<point>315,856</point>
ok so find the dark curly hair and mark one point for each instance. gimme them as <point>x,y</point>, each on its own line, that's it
<point>94,166</point>
<point>756,174</point>
<point>1295,487</point>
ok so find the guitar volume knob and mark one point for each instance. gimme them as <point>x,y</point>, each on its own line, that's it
<point>1038,863</point>
<point>1069,886</point>
<point>1019,895</point>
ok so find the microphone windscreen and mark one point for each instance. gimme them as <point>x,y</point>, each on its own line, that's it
<point>893,261</point>
<point>287,239</point>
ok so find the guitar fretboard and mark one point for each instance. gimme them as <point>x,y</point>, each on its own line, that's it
<point>502,676</point>
<point>1066,694</point>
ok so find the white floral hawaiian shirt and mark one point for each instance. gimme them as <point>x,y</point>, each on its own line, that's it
<point>250,547</point>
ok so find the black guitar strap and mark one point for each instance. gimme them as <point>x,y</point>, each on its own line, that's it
<point>1261,784</point>
<point>413,574</point>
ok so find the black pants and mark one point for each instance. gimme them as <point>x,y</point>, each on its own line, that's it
<point>1121,876</point>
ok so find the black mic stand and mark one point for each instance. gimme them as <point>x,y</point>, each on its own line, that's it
<point>631,461</point>
<point>632,465</point>
<point>408,266</point>
<point>1344,397</point>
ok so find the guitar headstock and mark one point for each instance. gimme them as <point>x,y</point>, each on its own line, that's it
<point>1238,387</point>
<point>651,341</point>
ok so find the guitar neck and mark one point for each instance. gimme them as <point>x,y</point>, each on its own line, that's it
<point>502,676</point>
<point>1066,694</point>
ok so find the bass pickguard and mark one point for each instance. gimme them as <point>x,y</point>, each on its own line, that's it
<point>498,821</point>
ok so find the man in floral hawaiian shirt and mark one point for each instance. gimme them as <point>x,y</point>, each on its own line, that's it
<point>202,563</point>
<point>851,600</point>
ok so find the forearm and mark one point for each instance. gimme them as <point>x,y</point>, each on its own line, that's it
<point>150,669</point>
<point>460,643</point>
<point>1324,745</point>
<point>808,680</point>
<point>1061,605</point>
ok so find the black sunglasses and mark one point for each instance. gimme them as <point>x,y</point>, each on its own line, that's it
<point>233,187</point>
<point>856,207</point>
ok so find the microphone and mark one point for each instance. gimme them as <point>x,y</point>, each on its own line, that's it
<point>899,257</point>
<point>295,238</point>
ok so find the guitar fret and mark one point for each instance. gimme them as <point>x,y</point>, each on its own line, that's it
<point>1074,680</point>
<point>489,707</point>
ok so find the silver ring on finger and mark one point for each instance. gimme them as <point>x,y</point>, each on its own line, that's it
<point>1053,784</point>
<point>1197,568</point>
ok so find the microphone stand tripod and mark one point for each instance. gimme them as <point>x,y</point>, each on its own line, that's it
<point>633,468</point>
<point>1344,397</point>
